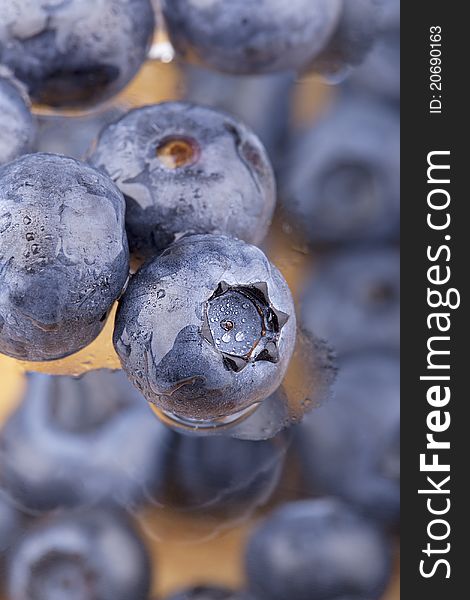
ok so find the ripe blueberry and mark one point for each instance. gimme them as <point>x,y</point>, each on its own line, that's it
<point>76,52</point>
<point>353,300</point>
<point>63,255</point>
<point>80,556</point>
<point>245,37</point>
<point>350,446</point>
<point>317,550</point>
<point>342,178</point>
<point>206,329</point>
<point>75,442</point>
<point>16,122</point>
<point>187,169</point>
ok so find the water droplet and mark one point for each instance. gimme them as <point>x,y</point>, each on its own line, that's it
<point>217,341</point>
<point>35,249</point>
<point>30,236</point>
<point>213,320</point>
<point>226,338</point>
<point>243,320</point>
<point>246,305</point>
<point>26,220</point>
<point>161,294</point>
<point>240,336</point>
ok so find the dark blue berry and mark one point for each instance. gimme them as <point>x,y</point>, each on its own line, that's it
<point>206,329</point>
<point>63,255</point>
<point>350,446</point>
<point>187,169</point>
<point>75,442</point>
<point>317,550</point>
<point>76,52</point>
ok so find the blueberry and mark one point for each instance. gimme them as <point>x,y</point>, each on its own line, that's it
<point>16,122</point>
<point>246,37</point>
<point>352,39</point>
<point>9,526</point>
<point>380,73</point>
<point>350,446</point>
<point>63,255</point>
<point>224,474</point>
<point>261,102</point>
<point>317,550</point>
<point>353,300</point>
<point>92,555</point>
<point>187,169</point>
<point>342,179</point>
<point>206,329</point>
<point>75,442</point>
<point>211,593</point>
<point>76,52</point>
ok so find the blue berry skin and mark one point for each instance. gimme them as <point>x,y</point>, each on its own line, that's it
<point>79,442</point>
<point>225,474</point>
<point>342,179</point>
<point>262,102</point>
<point>211,593</point>
<point>380,73</point>
<point>187,169</point>
<point>317,550</point>
<point>10,526</point>
<point>350,446</point>
<point>353,300</point>
<point>352,39</point>
<point>63,255</point>
<point>90,555</point>
<point>78,52</point>
<point>16,122</point>
<point>206,329</point>
<point>245,37</point>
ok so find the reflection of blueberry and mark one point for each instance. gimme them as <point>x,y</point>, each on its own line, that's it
<point>251,37</point>
<point>75,52</point>
<point>16,123</point>
<point>187,169</point>
<point>224,473</point>
<point>352,39</point>
<point>210,593</point>
<point>342,183</point>
<point>9,526</point>
<point>353,300</point>
<point>80,556</point>
<point>206,329</point>
<point>380,73</point>
<point>63,255</point>
<point>317,550</point>
<point>261,102</point>
<point>82,441</point>
<point>350,446</point>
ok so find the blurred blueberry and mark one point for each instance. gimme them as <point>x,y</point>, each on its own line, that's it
<point>63,255</point>
<point>222,473</point>
<point>250,38</point>
<point>342,181</point>
<point>76,442</point>
<point>16,122</point>
<point>73,135</point>
<point>352,39</point>
<point>206,329</point>
<point>10,526</point>
<point>211,593</point>
<point>187,169</point>
<point>262,102</point>
<point>92,555</point>
<point>350,446</point>
<point>353,300</point>
<point>380,73</point>
<point>317,550</point>
<point>76,52</point>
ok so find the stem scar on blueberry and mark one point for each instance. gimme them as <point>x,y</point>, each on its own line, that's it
<point>241,323</point>
<point>175,152</point>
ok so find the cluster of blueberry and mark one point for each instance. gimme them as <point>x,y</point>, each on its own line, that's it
<point>206,327</point>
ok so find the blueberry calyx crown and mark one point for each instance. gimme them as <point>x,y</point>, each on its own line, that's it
<point>241,323</point>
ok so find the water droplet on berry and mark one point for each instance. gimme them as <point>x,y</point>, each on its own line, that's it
<point>161,294</point>
<point>226,338</point>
